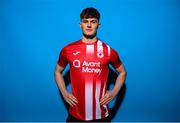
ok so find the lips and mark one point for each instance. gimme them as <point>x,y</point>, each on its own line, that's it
<point>89,30</point>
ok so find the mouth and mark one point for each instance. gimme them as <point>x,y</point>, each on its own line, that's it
<point>89,30</point>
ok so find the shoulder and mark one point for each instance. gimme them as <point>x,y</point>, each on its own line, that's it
<point>72,44</point>
<point>104,44</point>
<point>110,49</point>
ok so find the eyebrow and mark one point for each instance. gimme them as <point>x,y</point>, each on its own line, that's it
<point>89,20</point>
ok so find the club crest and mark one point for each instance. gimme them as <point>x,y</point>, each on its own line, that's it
<point>100,54</point>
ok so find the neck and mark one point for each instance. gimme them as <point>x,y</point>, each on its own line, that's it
<point>89,40</point>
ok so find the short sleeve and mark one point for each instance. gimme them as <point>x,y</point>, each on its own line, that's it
<point>114,59</point>
<point>62,61</point>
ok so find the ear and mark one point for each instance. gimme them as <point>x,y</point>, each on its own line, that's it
<point>99,25</point>
<point>80,25</point>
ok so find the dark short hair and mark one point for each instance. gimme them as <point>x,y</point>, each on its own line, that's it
<point>90,13</point>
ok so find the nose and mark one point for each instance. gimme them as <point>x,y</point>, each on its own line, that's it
<point>89,25</point>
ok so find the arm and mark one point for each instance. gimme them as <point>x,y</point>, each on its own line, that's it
<point>119,82</point>
<point>69,98</point>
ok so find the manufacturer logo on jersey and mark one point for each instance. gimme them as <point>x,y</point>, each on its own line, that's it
<point>88,67</point>
<point>75,53</point>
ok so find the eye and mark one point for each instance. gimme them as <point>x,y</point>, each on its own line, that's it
<point>85,21</point>
<point>94,21</point>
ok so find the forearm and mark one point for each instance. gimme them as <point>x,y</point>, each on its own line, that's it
<point>69,98</point>
<point>119,82</point>
<point>60,82</point>
<point>111,94</point>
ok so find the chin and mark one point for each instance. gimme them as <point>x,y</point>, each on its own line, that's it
<point>90,34</point>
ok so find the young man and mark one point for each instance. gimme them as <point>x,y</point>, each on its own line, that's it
<point>89,59</point>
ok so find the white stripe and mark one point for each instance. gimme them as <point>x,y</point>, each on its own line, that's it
<point>88,101</point>
<point>98,109</point>
<point>99,42</point>
<point>89,49</point>
<point>109,50</point>
<point>105,106</point>
<point>100,52</point>
<point>106,113</point>
<point>99,46</point>
<point>104,90</point>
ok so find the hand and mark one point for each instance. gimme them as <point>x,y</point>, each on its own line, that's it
<point>70,99</point>
<point>109,95</point>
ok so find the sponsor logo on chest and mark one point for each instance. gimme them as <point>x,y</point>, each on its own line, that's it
<point>88,66</point>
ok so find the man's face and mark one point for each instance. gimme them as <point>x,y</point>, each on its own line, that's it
<point>89,26</point>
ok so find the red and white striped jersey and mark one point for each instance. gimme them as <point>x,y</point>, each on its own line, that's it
<point>88,72</point>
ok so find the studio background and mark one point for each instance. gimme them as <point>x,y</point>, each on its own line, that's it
<point>146,34</point>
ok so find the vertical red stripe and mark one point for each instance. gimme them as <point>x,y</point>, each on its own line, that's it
<point>83,100</point>
<point>101,95</point>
